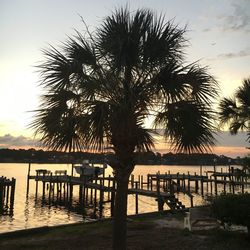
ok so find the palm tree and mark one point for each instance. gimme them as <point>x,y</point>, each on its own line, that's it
<point>100,88</point>
<point>235,111</point>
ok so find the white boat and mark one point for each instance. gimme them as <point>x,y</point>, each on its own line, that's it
<point>88,169</point>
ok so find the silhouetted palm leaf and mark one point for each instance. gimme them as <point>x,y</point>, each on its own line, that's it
<point>101,87</point>
<point>236,111</point>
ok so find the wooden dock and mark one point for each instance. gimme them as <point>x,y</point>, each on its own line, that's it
<point>96,191</point>
<point>7,194</point>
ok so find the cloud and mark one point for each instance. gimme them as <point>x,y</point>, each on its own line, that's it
<point>241,53</point>
<point>225,139</point>
<point>231,55</point>
<point>239,19</point>
<point>206,29</point>
<point>9,141</point>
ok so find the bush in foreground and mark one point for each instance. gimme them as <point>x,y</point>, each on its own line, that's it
<point>233,209</point>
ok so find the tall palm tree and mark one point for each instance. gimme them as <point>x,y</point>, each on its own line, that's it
<point>235,111</point>
<point>100,88</point>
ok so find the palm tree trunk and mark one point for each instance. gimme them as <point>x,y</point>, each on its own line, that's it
<point>120,214</point>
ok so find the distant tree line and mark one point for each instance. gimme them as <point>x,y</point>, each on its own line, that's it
<point>41,156</point>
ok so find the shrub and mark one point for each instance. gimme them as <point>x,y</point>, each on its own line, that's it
<point>232,208</point>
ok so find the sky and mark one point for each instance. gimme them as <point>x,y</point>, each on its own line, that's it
<point>218,32</point>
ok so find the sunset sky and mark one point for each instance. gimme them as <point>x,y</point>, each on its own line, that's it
<point>218,33</point>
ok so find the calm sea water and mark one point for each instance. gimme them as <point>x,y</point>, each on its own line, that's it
<point>30,212</point>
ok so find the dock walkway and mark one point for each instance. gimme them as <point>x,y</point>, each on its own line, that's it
<point>162,187</point>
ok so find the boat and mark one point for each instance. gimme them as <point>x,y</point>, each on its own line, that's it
<point>88,169</point>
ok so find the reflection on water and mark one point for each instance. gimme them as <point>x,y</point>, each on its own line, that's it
<point>35,211</point>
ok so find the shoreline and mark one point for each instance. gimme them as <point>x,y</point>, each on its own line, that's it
<point>155,230</point>
<point>34,230</point>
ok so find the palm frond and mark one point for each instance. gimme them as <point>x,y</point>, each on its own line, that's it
<point>100,87</point>
<point>236,111</point>
<point>188,125</point>
<point>243,95</point>
<point>228,110</point>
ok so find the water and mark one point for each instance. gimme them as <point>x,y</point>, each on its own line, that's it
<point>30,212</point>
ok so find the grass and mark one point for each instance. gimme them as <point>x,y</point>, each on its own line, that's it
<point>143,234</point>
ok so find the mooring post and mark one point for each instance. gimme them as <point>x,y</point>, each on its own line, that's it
<point>7,195</point>
<point>224,184</point>
<point>109,178</point>
<point>136,199</point>
<point>36,184</point>
<point>112,198</point>
<point>50,189</point>
<point>233,186</point>
<point>211,184</point>
<point>80,196</point>
<point>29,169</point>
<point>178,182</point>
<point>215,184</point>
<point>183,181</point>
<point>159,198</point>
<point>12,193</point>
<point>28,180</point>
<point>142,182</point>
<point>242,185</point>
<point>139,180</point>
<point>1,194</point>
<point>188,182</point>
<point>101,199</point>
<point>202,190</point>
<point>43,195</point>
<point>196,183</point>
<point>72,168</point>
<point>132,181</point>
<point>207,180</point>
<point>191,200</point>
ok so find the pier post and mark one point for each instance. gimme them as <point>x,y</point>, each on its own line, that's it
<point>136,199</point>
<point>28,180</point>
<point>50,189</point>
<point>36,184</point>
<point>1,194</point>
<point>202,190</point>
<point>7,194</point>
<point>215,184</point>
<point>207,180</point>
<point>224,184</point>
<point>196,183</point>
<point>191,201</point>
<point>109,187</point>
<point>132,181</point>
<point>101,199</point>
<point>178,182</point>
<point>80,196</point>
<point>112,199</point>
<point>159,198</point>
<point>188,182</point>
<point>183,181</point>
<point>139,180</point>
<point>233,186</point>
<point>142,182</point>
<point>12,194</point>
<point>211,184</point>
<point>242,183</point>
<point>91,196</point>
